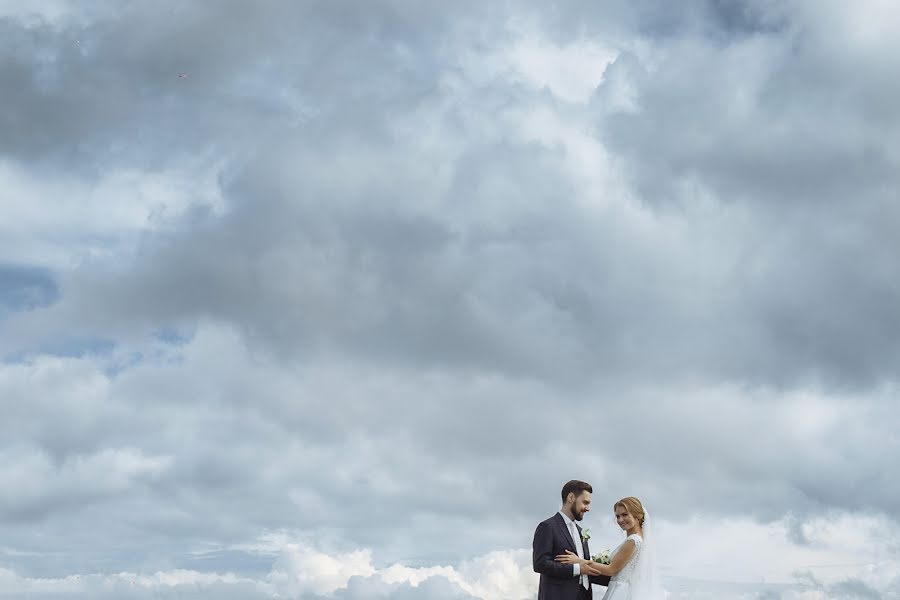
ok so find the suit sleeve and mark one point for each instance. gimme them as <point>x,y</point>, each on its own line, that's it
<point>543,557</point>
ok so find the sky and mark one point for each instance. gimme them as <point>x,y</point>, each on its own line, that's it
<point>318,300</point>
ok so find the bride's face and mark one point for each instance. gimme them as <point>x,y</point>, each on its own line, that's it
<point>623,519</point>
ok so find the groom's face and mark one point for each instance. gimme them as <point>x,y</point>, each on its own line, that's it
<point>581,505</point>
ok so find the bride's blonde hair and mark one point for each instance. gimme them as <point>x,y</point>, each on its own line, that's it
<point>633,506</point>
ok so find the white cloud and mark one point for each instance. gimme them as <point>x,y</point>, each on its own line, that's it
<point>41,10</point>
<point>571,71</point>
<point>703,560</point>
<point>63,221</point>
<point>300,570</point>
<point>32,482</point>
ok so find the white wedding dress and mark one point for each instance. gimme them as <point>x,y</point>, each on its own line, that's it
<point>638,579</point>
<point>620,583</point>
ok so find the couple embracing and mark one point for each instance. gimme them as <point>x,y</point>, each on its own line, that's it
<point>562,557</point>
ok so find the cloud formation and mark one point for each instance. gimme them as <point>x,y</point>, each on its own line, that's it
<point>329,299</point>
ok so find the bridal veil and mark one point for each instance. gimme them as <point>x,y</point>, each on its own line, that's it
<point>646,583</point>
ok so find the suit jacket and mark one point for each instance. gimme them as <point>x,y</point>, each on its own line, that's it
<point>558,581</point>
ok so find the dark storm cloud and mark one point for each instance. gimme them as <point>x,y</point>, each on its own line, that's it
<point>153,83</point>
<point>816,285</point>
<point>805,292</point>
<point>715,20</point>
<point>335,241</point>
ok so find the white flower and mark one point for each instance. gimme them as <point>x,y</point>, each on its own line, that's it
<point>585,534</point>
<point>602,557</point>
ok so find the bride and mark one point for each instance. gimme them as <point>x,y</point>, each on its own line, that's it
<point>632,565</point>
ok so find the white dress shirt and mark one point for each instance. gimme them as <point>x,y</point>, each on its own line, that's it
<point>573,531</point>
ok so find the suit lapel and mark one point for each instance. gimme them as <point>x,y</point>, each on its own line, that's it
<point>564,531</point>
<point>584,544</point>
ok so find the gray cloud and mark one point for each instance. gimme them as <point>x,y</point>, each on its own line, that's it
<point>803,297</point>
<point>433,288</point>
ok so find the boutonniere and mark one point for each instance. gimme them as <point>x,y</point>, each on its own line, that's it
<point>585,534</point>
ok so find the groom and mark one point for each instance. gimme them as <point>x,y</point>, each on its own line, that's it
<point>556,535</point>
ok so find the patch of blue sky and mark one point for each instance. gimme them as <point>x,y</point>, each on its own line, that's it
<point>24,287</point>
<point>252,565</point>
<point>173,335</point>
<point>170,336</point>
<point>79,347</point>
<point>74,347</point>
<point>122,363</point>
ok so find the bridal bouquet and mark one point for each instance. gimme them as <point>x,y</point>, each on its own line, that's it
<point>602,557</point>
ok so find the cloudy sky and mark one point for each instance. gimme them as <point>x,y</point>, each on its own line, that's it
<point>328,299</point>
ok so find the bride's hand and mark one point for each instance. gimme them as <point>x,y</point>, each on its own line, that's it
<point>570,558</point>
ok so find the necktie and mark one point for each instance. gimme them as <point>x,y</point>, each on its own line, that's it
<point>578,549</point>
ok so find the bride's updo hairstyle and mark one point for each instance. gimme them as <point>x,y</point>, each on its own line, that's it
<point>633,506</point>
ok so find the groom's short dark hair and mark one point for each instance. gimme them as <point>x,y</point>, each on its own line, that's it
<point>575,487</point>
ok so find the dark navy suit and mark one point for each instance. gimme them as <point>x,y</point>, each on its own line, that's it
<point>558,581</point>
